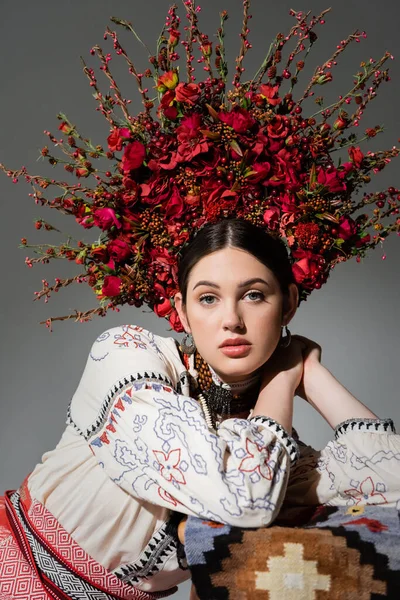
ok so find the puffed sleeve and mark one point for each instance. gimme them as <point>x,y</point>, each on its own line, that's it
<point>362,464</point>
<point>154,442</point>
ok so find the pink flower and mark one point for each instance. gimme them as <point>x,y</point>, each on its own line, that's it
<point>133,156</point>
<point>105,218</point>
<point>365,492</point>
<point>257,459</point>
<point>111,286</point>
<point>169,465</point>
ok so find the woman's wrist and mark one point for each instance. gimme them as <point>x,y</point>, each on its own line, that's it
<point>275,400</point>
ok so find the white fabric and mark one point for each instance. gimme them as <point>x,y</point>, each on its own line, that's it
<point>137,446</point>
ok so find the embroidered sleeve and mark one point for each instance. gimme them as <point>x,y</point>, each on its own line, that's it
<point>154,443</point>
<point>371,425</point>
<point>362,463</point>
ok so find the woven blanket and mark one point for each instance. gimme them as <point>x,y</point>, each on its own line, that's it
<point>332,553</point>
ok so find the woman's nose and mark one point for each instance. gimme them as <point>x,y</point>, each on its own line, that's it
<point>232,318</point>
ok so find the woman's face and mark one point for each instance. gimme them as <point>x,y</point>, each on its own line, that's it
<point>231,294</point>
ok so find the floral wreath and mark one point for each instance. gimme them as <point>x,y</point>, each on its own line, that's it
<point>208,153</point>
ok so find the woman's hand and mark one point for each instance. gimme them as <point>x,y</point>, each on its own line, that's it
<point>286,362</point>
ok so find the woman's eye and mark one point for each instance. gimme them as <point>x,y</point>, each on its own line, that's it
<point>207,296</point>
<point>257,296</point>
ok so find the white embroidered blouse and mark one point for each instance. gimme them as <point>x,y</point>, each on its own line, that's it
<point>137,449</point>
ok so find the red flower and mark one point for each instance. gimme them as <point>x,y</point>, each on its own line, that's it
<point>278,127</point>
<point>262,169</point>
<point>331,180</point>
<point>187,93</point>
<point>119,250</point>
<point>105,218</point>
<point>65,127</point>
<point>111,286</point>
<point>100,254</point>
<point>168,81</point>
<point>356,156</point>
<point>116,138</point>
<point>175,321</point>
<point>167,107</point>
<point>133,156</point>
<point>240,119</point>
<point>270,93</point>
<point>306,269</point>
<point>271,217</point>
<point>175,206</point>
<point>347,228</point>
<point>163,308</point>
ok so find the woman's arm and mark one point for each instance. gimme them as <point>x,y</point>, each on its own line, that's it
<point>324,392</point>
<point>281,376</point>
<point>331,399</point>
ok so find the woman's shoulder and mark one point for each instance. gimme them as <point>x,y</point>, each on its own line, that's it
<point>136,345</point>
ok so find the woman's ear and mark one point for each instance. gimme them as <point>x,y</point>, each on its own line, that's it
<point>180,309</point>
<point>290,305</point>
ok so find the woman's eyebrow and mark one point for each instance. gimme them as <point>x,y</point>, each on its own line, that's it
<point>241,285</point>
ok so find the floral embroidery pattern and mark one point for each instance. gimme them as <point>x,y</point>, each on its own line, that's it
<point>366,491</point>
<point>257,460</point>
<point>131,336</point>
<point>169,465</point>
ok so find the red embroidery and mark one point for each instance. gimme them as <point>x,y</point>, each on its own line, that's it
<point>257,460</point>
<point>169,465</point>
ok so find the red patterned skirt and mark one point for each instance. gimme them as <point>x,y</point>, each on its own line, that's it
<point>39,560</point>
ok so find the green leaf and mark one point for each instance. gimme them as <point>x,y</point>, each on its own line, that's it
<point>235,146</point>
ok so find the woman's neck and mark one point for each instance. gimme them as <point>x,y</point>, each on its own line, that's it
<point>237,386</point>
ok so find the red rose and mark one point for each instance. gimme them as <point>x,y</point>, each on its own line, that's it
<point>347,228</point>
<point>119,250</point>
<point>240,119</point>
<point>133,156</point>
<point>100,254</point>
<point>261,169</point>
<point>111,286</point>
<point>105,218</point>
<point>188,93</point>
<point>356,156</point>
<point>116,138</point>
<point>278,127</point>
<point>306,269</point>
<point>271,217</point>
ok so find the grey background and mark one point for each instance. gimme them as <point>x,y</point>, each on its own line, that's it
<point>353,317</point>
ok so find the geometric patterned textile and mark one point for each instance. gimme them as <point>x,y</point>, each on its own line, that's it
<point>333,553</point>
<point>40,561</point>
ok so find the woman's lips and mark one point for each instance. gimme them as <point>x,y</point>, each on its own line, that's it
<point>236,351</point>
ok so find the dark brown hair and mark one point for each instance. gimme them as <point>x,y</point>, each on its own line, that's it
<point>236,233</point>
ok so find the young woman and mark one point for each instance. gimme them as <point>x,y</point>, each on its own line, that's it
<point>156,432</point>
